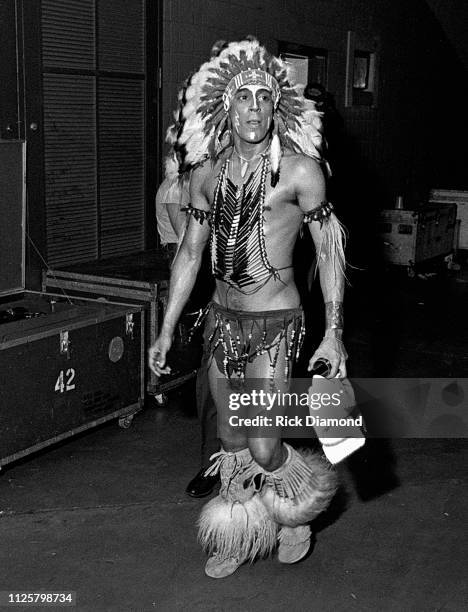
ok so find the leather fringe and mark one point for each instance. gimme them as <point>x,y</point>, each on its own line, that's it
<point>300,489</point>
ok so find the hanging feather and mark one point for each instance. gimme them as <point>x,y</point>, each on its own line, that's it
<point>332,244</point>
<point>275,157</point>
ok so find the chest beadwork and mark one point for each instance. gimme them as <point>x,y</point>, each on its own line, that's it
<point>237,242</point>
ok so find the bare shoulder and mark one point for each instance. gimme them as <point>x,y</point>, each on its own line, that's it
<point>305,178</point>
<point>201,173</point>
<point>204,174</point>
<point>302,167</point>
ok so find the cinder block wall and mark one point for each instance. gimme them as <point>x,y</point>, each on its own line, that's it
<point>403,145</point>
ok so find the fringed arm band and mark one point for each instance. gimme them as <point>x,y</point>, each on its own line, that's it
<point>197,213</point>
<point>320,213</point>
<point>333,239</point>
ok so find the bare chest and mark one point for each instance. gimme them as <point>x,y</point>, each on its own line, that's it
<point>250,195</point>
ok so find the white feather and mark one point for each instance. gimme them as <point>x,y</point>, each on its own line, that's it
<point>275,153</point>
<point>171,167</point>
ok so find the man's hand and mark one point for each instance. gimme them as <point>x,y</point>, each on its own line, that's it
<point>332,349</point>
<point>157,355</point>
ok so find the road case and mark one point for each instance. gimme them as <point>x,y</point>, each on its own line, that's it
<point>460,198</point>
<point>410,237</point>
<point>139,278</point>
<point>65,366</point>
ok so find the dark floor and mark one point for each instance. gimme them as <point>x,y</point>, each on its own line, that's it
<point>105,514</point>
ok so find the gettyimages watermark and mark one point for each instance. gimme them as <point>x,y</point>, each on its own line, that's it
<point>268,401</point>
<point>336,408</point>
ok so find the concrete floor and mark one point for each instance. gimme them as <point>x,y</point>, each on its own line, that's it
<point>105,514</point>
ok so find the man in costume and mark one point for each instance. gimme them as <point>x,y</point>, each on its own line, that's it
<point>255,181</point>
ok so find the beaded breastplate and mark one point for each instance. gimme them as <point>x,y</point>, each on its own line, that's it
<point>237,241</point>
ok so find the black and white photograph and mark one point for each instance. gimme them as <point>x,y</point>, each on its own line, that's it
<point>233,305</point>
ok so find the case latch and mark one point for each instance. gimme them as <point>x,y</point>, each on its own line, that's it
<point>129,324</point>
<point>64,344</point>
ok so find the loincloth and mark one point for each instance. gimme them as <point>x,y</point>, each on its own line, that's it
<point>235,338</point>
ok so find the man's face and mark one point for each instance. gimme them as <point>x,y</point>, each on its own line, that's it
<point>251,112</point>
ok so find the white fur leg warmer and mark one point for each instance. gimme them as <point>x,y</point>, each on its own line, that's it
<point>300,489</point>
<point>237,529</point>
<point>236,523</point>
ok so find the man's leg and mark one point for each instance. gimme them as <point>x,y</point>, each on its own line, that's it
<point>234,526</point>
<point>297,485</point>
<point>206,413</point>
<point>202,485</point>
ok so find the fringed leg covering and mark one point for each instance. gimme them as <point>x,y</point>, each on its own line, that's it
<point>300,489</point>
<point>236,523</point>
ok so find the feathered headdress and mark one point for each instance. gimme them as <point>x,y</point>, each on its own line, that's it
<point>201,120</point>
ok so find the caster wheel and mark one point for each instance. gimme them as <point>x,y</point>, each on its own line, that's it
<point>161,399</point>
<point>126,421</point>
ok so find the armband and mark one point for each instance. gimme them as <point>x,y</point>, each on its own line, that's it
<point>197,213</point>
<point>320,213</point>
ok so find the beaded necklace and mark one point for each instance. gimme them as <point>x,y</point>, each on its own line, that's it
<point>237,240</point>
<point>246,161</point>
